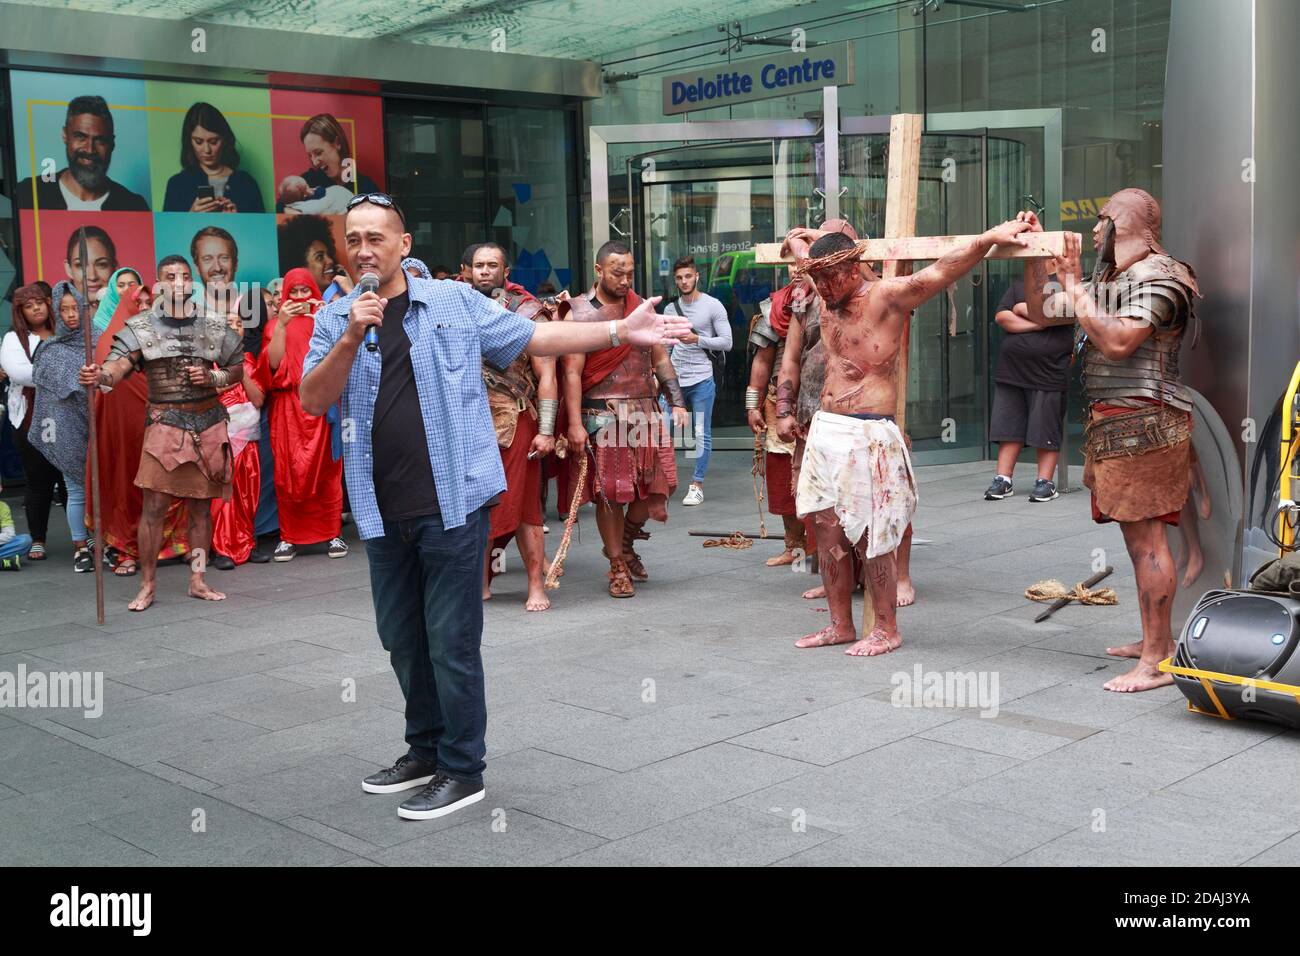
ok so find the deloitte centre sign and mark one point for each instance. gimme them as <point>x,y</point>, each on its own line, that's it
<point>778,74</point>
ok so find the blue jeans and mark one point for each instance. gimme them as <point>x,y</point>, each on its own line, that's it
<point>267,519</point>
<point>427,586</point>
<point>699,399</point>
<point>76,509</point>
<point>19,544</point>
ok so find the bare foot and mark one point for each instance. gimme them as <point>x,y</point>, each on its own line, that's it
<point>906,593</point>
<point>815,594</point>
<point>537,599</point>
<point>1143,676</point>
<point>1195,562</point>
<point>546,571</point>
<point>877,643</point>
<point>781,560</point>
<point>1133,650</point>
<point>199,589</point>
<point>828,635</point>
<point>144,598</point>
<point>487,593</point>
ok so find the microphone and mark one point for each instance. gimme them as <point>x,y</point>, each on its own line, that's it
<point>370,283</point>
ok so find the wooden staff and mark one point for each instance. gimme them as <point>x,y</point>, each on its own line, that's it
<point>552,581</point>
<point>87,320</point>
<point>728,534</point>
<point>1062,602</point>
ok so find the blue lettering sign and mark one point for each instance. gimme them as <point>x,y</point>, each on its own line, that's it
<point>679,92</point>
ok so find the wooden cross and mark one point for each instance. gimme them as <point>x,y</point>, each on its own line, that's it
<point>900,243</point>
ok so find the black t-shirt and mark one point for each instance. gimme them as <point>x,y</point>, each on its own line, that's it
<point>1038,360</point>
<point>402,473</point>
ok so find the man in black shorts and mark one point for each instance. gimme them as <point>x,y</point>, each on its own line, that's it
<point>1029,396</point>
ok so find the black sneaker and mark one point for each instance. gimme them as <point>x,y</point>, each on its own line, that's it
<point>441,797</point>
<point>83,562</point>
<point>1044,490</point>
<point>1001,488</point>
<point>223,562</point>
<point>407,774</point>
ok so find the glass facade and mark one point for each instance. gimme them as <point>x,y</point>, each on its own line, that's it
<point>1051,108</point>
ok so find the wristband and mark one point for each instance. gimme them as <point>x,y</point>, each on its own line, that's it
<point>783,410</point>
<point>613,334</point>
<point>751,398</point>
<point>546,409</point>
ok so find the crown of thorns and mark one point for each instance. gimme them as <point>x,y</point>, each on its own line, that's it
<point>811,264</point>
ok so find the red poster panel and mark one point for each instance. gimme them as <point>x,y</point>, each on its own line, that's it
<point>115,240</point>
<point>331,142</point>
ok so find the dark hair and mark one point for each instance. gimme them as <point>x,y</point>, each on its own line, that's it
<point>92,232</point>
<point>296,234</point>
<point>210,118</point>
<point>467,257</point>
<point>441,268</point>
<point>218,233</point>
<point>505,257</point>
<point>830,243</point>
<point>45,287</point>
<point>172,260</point>
<point>23,295</point>
<point>327,127</point>
<point>93,105</point>
<point>685,262</point>
<point>612,248</point>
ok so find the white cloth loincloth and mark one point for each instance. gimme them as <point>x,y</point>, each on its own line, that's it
<point>862,470</point>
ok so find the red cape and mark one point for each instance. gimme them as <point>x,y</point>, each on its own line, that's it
<point>308,481</point>
<point>599,364</point>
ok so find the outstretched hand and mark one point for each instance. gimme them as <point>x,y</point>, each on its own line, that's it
<point>647,328</point>
<point>1009,233</point>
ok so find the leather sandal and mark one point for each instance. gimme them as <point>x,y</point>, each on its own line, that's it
<point>631,533</point>
<point>620,582</point>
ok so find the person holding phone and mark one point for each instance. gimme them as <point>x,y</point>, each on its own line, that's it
<point>210,179</point>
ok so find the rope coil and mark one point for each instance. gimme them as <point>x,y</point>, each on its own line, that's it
<point>1053,590</point>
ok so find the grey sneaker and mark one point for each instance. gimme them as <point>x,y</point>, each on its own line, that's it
<point>999,489</point>
<point>440,797</point>
<point>1044,490</point>
<point>407,774</point>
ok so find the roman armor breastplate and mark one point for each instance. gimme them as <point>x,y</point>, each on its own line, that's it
<point>1155,289</point>
<point>634,378</point>
<point>517,381</point>
<point>168,349</point>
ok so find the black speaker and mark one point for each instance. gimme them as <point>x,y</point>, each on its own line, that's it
<point>1236,657</point>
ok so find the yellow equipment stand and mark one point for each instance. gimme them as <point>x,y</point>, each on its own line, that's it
<point>1288,482</point>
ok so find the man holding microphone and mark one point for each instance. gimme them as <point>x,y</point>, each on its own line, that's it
<point>422,507</point>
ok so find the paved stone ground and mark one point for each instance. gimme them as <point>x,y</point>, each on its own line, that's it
<point>237,709</point>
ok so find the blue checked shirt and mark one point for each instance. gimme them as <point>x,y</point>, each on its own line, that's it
<point>452,328</point>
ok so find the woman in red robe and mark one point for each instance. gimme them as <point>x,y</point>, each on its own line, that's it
<point>308,477</point>
<point>233,539</point>
<point>119,419</point>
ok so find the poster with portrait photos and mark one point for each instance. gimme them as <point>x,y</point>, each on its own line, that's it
<point>243,182</point>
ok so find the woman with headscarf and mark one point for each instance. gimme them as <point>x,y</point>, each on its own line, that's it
<point>33,323</point>
<point>308,474</point>
<point>62,412</point>
<point>119,436</point>
<point>118,283</point>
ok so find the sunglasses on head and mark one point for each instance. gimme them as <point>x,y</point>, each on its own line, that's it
<point>379,199</point>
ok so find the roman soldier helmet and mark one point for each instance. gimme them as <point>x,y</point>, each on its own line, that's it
<point>1136,212</point>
